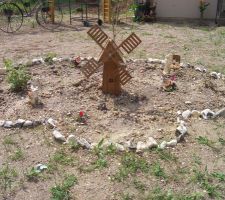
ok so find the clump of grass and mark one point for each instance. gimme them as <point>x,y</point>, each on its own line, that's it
<point>205,181</point>
<point>62,158</point>
<point>139,185</point>
<point>8,141</point>
<point>219,175</point>
<point>158,171</point>
<point>32,175</point>
<point>16,77</point>
<point>222,141</point>
<point>205,141</point>
<point>18,155</point>
<point>62,191</point>
<point>49,58</point>
<point>166,155</point>
<point>130,165</point>
<point>7,177</point>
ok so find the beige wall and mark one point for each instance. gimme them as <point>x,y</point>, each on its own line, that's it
<point>184,9</point>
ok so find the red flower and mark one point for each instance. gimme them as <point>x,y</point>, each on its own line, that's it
<point>81,113</point>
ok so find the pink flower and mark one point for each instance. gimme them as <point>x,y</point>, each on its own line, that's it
<point>173,78</point>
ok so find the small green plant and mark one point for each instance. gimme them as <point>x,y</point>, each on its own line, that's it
<point>8,141</point>
<point>127,196</point>
<point>131,164</point>
<point>222,141</point>
<point>220,176</point>
<point>139,185</point>
<point>49,58</point>
<point>165,155</point>
<point>18,155</point>
<point>158,171</point>
<point>32,175</point>
<point>60,157</point>
<point>62,191</point>
<point>74,146</point>
<point>16,77</point>
<point>7,177</point>
<point>205,141</point>
<point>205,181</point>
<point>159,194</point>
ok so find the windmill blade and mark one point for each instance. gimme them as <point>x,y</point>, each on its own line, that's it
<point>124,75</point>
<point>98,35</point>
<point>90,67</point>
<point>130,43</point>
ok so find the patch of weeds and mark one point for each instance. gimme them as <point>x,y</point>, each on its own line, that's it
<point>111,150</point>
<point>166,155</point>
<point>205,141</point>
<point>32,175</point>
<point>7,177</point>
<point>60,157</point>
<point>74,146</point>
<point>222,141</point>
<point>169,36</point>
<point>205,181</point>
<point>49,58</point>
<point>127,197</point>
<point>8,141</point>
<point>62,191</point>
<point>159,194</point>
<point>220,176</point>
<point>16,77</point>
<point>197,159</point>
<point>147,33</point>
<point>158,171</point>
<point>18,155</point>
<point>139,185</point>
<point>131,164</point>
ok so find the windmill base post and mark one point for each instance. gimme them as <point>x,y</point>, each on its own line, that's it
<point>111,80</point>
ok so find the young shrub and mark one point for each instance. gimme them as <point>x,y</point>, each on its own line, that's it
<point>16,77</point>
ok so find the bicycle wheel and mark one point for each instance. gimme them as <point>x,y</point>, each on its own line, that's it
<point>11,17</point>
<point>48,19</point>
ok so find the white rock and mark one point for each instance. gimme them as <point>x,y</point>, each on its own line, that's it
<point>214,75</point>
<point>28,123</point>
<point>57,59</point>
<point>220,113</point>
<point>119,147</point>
<point>8,124</point>
<point>71,139</point>
<point>179,112</point>
<point>171,143</point>
<point>151,143</point>
<point>84,143</point>
<point>155,61</point>
<point>199,69</point>
<point>141,146</point>
<point>93,145</point>
<point>207,114</point>
<point>188,102</point>
<point>2,122</point>
<point>19,122</point>
<point>182,129</point>
<point>37,61</point>
<point>163,145</point>
<point>130,145</point>
<point>58,136</point>
<point>51,123</point>
<point>186,114</point>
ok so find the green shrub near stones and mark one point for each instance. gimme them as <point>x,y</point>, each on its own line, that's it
<point>17,77</point>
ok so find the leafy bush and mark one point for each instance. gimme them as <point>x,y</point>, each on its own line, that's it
<point>16,77</point>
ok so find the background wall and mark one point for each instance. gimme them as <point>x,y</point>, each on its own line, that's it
<point>184,9</point>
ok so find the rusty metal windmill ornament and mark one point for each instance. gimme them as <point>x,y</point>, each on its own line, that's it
<point>111,59</point>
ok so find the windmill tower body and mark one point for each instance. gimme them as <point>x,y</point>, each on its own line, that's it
<point>114,69</point>
<point>111,79</point>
